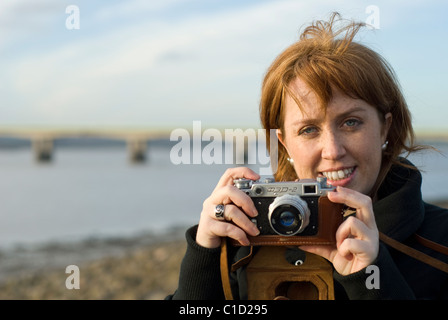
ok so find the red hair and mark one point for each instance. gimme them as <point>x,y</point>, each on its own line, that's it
<point>326,58</point>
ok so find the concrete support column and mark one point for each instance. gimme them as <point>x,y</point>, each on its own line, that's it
<point>42,149</point>
<point>137,148</point>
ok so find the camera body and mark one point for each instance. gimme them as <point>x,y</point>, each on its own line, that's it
<point>293,212</point>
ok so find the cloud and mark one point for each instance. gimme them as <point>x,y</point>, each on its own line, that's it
<point>133,8</point>
<point>159,70</point>
<point>21,17</point>
<point>154,62</point>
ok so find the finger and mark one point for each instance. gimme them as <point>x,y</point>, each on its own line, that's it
<point>236,173</point>
<point>358,201</point>
<point>232,195</point>
<point>224,229</point>
<point>353,237</point>
<point>325,251</point>
<point>354,247</point>
<point>240,219</point>
<point>352,228</point>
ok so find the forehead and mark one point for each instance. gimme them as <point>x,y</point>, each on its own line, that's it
<point>303,95</point>
<point>305,104</point>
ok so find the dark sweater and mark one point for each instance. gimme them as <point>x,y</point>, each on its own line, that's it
<point>399,211</point>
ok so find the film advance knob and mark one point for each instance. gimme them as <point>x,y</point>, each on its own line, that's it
<point>269,180</point>
<point>242,183</point>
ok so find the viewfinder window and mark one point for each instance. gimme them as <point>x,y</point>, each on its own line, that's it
<point>309,189</point>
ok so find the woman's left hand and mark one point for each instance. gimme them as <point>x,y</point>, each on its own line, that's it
<point>357,240</point>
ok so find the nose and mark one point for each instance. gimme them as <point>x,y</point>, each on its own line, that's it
<point>333,146</point>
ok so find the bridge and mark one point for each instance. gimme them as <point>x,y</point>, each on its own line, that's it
<point>42,139</point>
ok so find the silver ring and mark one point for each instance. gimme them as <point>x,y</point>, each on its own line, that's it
<point>219,212</point>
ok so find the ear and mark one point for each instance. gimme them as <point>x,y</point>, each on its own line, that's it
<point>387,124</point>
<point>279,134</point>
<point>281,138</point>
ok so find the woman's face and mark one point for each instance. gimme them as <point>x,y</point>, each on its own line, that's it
<point>342,144</point>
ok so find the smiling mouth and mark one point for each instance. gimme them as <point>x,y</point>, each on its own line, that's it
<point>338,174</point>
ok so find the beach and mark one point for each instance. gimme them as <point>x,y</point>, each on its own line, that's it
<point>144,267</point>
<point>138,268</point>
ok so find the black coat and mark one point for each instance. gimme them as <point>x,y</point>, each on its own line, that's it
<point>399,211</point>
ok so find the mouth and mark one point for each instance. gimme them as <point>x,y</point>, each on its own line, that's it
<point>342,175</point>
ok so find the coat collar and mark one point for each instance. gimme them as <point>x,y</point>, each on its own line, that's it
<point>399,210</point>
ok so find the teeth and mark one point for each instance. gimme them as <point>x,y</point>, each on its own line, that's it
<point>337,175</point>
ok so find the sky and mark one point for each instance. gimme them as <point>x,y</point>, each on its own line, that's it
<point>165,64</point>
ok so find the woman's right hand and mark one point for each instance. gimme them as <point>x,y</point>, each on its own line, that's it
<point>238,208</point>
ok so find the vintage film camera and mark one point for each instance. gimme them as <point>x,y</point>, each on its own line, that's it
<point>293,213</point>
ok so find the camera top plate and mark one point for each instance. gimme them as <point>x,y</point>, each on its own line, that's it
<point>269,188</point>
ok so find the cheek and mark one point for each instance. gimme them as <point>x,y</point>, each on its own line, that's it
<point>369,163</point>
<point>367,150</point>
<point>367,155</point>
<point>306,161</point>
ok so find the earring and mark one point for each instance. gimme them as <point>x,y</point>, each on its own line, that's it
<point>291,161</point>
<point>384,146</point>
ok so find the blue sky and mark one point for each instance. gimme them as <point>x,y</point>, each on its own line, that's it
<point>168,63</point>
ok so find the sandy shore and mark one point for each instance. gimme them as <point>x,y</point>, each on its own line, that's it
<point>140,267</point>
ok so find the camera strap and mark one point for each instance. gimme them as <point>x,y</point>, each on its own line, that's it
<point>440,265</point>
<point>224,266</point>
<point>431,244</point>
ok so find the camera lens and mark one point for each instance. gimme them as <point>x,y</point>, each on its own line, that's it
<point>287,218</point>
<point>288,215</point>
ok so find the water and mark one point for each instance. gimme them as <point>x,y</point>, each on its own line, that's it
<point>88,192</point>
<point>97,192</point>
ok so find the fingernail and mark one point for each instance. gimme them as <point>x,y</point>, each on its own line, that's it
<point>256,231</point>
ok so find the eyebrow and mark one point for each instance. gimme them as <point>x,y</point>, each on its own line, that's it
<point>339,116</point>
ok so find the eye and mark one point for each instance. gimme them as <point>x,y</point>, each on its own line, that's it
<point>351,123</point>
<point>307,131</point>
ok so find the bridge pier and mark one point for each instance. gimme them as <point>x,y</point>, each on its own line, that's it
<point>137,150</point>
<point>241,152</point>
<point>237,149</point>
<point>43,149</point>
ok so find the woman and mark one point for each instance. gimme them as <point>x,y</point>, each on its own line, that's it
<point>339,113</point>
